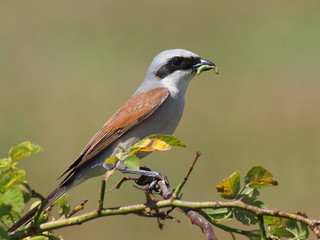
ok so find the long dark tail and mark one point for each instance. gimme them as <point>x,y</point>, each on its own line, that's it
<point>57,193</point>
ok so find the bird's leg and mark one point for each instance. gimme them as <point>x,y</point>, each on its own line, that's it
<point>148,177</point>
<point>142,171</point>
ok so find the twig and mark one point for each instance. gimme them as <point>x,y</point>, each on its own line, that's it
<point>185,179</point>
<point>102,194</point>
<point>37,195</point>
<point>78,208</point>
<point>41,206</point>
<point>194,216</point>
<point>119,184</point>
<point>107,175</point>
<point>198,154</point>
<point>262,229</point>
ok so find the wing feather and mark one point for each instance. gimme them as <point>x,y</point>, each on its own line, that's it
<point>135,110</point>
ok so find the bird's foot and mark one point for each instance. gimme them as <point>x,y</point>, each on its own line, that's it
<point>148,178</point>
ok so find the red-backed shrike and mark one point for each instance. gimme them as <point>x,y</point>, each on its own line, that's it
<point>155,108</point>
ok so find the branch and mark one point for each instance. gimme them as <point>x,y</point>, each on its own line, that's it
<point>165,192</point>
<point>245,207</point>
<point>140,209</point>
<point>194,210</point>
<point>201,222</point>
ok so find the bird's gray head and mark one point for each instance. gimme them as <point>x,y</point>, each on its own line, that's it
<point>174,69</point>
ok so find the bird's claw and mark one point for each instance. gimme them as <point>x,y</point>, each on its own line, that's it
<point>152,181</point>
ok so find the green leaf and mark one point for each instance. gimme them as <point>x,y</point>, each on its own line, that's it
<point>172,141</point>
<point>256,235</point>
<point>64,205</point>
<point>3,234</point>
<point>33,205</point>
<point>229,187</point>
<point>286,228</point>
<point>4,210</point>
<point>247,218</point>
<point>249,193</point>
<point>4,162</point>
<point>5,178</point>
<point>14,198</point>
<point>40,238</point>
<point>304,231</point>
<point>44,216</point>
<point>274,221</point>
<point>64,209</point>
<point>258,177</point>
<point>132,162</point>
<point>300,233</point>
<point>61,200</point>
<point>10,176</point>
<point>220,214</point>
<point>23,149</point>
<point>281,232</point>
<point>293,227</point>
<point>8,220</point>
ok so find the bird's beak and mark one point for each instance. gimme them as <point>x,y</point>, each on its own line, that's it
<point>205,65</point>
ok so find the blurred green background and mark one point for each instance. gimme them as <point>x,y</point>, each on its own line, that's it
<point>66,66</point>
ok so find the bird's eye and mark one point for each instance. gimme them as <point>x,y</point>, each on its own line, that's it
<point>177,61</point>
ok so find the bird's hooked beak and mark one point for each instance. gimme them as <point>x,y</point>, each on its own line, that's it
<point>205,65</point>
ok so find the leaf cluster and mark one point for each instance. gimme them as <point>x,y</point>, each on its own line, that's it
<point>245,205</point>
<point>14,190</point>
<point>153,143</point>
<point>255,179</point>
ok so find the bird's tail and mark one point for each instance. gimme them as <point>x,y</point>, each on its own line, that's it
<point>52,197</point>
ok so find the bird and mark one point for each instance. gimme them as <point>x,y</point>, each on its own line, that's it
<point>155,107</point>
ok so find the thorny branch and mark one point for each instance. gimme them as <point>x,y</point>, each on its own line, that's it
<point>194,210</point>
<point>138,208</point>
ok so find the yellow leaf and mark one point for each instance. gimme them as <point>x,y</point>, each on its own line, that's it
<point>150,145</point>
<point>159,145</point>
<point>258,177</point>
<point>171,140</point>
<point>111,160</point>
<point>229,187</point>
